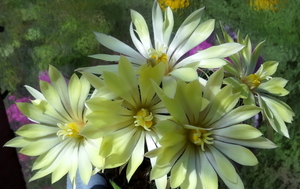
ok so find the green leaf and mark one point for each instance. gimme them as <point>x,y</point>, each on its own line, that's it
<point>114,185</point>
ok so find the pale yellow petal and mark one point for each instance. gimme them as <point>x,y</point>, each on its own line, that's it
<point>84,165</point>
<point>239,131</point>
<point>36,130</point>
<point>137,157</point>
<point>237,153</point>
<point>222,165</point>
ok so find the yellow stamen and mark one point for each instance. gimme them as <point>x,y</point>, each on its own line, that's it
<point>163,58</point>
<point>70,129</point>
<point>252,81</point>
<point>144,119</point>
<point>200,137</point>
<point>158,55</point>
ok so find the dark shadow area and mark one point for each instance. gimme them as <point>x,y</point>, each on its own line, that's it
<point>11,172</point>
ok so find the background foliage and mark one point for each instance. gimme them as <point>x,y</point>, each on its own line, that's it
<point>60,32</point>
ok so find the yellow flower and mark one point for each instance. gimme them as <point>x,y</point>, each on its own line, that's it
<point>164,48</point>
<point>264,4</point>
<point>256,84</point>
<point>127,122</point>
<point>174,4</point>
<point>204,132</point>
<point>59,116</point>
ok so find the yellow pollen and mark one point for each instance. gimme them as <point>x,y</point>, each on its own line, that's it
<point>200,137</point>
<point>70,129</point>
<point>158,55</point>
<point>144,119</point>
<point>252,81</point>
<point>163,58</point>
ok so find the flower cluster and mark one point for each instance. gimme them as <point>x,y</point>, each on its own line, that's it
<point>264,5</point>
<point>173,4</point>
<point>155,104</point>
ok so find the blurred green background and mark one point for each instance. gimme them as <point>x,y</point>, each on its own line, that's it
<point>60,32</point>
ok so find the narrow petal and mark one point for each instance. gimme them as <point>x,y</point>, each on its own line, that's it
<point>237,153</point>
<point>137,157</point>
<point>223,165</point>
<point>35,93</point>
<point>141,29</point>
<point>53,97</point>
<point>168,26</point>
<point>212,63</point>
<point>207,173</point>
<point>169,126</point>
<point>191,180</point>
<point>117,85</point>
<point>137,43</point>
<point>284,110</point>
<point>146,75</point>
<point>31,112</point>
<point>236,116</point>
<point>40,146</point>
<point>238,86</point>
<point>59,84</point>
<point>51,156</point>
<point>47,109</point>
<point>127,73</point>
<point>170,155</point>
<point>157,22</point>
<point>240,131</point>
<point>213,85</point>
<point>270,67</point>
<point>172,105</point>
<point>259,142</point>
<point>36,130</point>
<point>63,164</point>
<point>74,96</point>
<point>220,51</point>
<point>80,109</point>
<point>254,57</point>
<point>179,170</point>
<point>185,30</point>
<point>85,167</point>
<point>118,46</point>
<point>169,86</point>
<point>95,81</point>
<point>100,69</point>
<point>201,33</point>
<point>17,142</point>
<point>274,86</point>
<point>185,74</point>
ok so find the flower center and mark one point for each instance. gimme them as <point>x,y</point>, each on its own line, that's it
<point>160,58</point>
<point>158,55</point>
<point>70,129</point>
<point>143,118</point>
<point>200,137</point>
<point>252,81</point>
